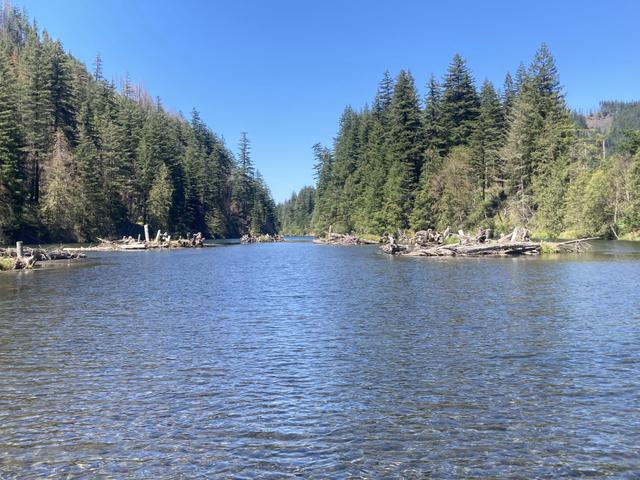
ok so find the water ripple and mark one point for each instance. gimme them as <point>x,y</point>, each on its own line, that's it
<point>298,361</point>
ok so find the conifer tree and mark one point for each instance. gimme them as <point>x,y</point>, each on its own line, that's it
<point>160,197</point>
<point>460,103</point>
<point>541,132</point>
<point>488,139</point>
<point>63,198</point>
<point>509,93</point>
<point>406,150</point>
<point>434,131</point>
<point>11,156</point>
<point>382,101</point>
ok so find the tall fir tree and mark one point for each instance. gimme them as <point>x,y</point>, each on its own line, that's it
<point>488,139</point>
<point>434,130</point>
<point>460,103</point>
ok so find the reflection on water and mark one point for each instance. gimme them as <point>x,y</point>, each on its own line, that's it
<point>298,360</point>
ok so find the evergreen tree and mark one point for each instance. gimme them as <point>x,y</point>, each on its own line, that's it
<point>509,94</point>
<point>541,132</point>
<point>63,197</point>
<point>11,154</point>
<point>488,139</point>
<point>244,187</point>
<point>460,103</point>
<point>382,101</point>
<point>160,197</point>
<point>435,134</point>
<point>406,150</point>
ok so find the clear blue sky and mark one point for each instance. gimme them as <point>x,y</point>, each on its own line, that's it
<point>284,70</point>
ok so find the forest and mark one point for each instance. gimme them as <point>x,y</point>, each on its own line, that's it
<point>81,157</point>
<point>295,213</point>
<point>496,158</point>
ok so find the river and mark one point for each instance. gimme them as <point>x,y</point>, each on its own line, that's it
<point>307,361</point>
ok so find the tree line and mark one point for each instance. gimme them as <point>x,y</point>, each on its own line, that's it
<point>295,213</point>
<point>81,158</point>
<point>465,158</point>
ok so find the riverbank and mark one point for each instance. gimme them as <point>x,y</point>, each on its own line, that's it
<point>27,258</point>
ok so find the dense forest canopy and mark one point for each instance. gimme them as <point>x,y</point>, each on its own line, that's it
<point>80,158</point>
<point>296,212</point>
<point>465,157</point>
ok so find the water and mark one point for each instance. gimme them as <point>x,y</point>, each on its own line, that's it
<point>299,360</point>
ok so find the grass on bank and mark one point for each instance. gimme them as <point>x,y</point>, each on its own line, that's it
<point>6,264</point>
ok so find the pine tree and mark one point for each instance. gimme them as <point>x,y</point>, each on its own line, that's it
<point>63,199</point>
<point>385,92</point>
<point>160,197</point>
<point>434,131</point>
<point>541,132</point>
<point>244,187</point>
<point>324,211</point>
<point>522,76</point>
<point>453,188</point>
<point>406,149</point>
<point>37,110</point>
<point>460,103</point>
<point>62,92</point>
<point>11,155</point>
<point>488,139</point>
<point>509,93</point>
<point>423,214</point>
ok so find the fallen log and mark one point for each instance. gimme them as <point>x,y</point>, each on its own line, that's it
<point>575,246</point>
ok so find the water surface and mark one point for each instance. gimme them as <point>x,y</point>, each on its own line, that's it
<point>300,360</point>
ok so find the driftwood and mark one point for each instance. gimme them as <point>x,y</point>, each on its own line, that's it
<point>574,246</point>
<point>266,238</point>
<point>21,258</point>
<point>430,243</point>
<point>343,239</point>
<point>162,240</point>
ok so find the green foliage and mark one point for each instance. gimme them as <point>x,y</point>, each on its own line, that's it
<point>295,214</point>
<point>460,103</point>
<point>160,196</point>
<point>626,118</point>
<point>80,159</point>
<point>488,139</point>
<point>12,159</point>
<point>453,187</point>
<point>469,160</point>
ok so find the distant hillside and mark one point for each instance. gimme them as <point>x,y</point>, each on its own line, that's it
<point>613,119</point>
